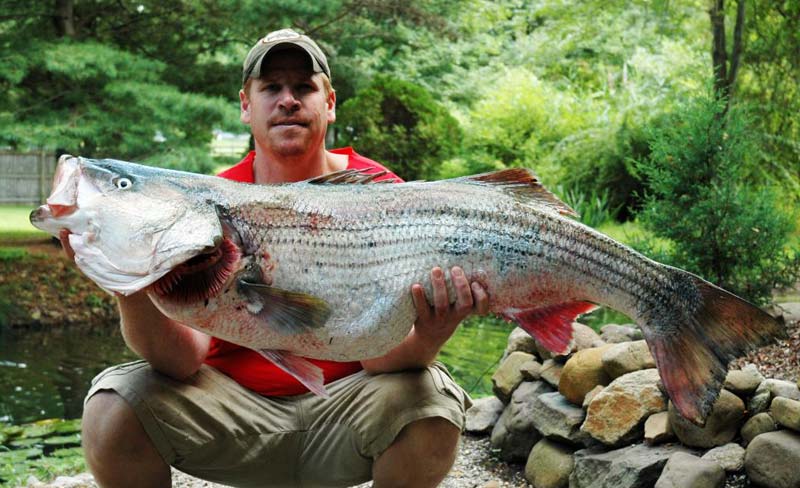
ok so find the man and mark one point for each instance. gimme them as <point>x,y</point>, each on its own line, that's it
<point>224,413</point>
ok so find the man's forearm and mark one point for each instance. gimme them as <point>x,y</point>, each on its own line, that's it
<point>412,353</point>
<point>170,347</point>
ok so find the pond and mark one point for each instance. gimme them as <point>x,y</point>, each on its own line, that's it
<point>46,373</point>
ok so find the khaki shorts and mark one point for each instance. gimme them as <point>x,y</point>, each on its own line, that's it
<point>211,427</point>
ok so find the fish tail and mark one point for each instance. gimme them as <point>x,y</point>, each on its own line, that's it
<point>692,344</point>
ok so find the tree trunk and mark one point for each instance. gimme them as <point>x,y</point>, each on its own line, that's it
<point>726,67</point>
<point>64,18</point>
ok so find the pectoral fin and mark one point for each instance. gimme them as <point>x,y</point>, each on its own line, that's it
<point>301,369</point>
<point>550,325</point>
<point>288,312</point>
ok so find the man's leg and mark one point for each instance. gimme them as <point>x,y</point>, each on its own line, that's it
<point>420,457</point>
<point>117,449</point>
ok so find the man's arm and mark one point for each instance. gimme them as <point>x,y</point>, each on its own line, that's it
<point>170,347</point>
<point>435,324</point>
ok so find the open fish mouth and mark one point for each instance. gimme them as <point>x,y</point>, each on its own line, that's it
<point>200,277</point>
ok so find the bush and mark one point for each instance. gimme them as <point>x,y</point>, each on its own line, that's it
<point>399,124</point>
<point>703,195</point>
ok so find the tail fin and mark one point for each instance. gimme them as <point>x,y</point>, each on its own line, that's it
<point>692,350</point>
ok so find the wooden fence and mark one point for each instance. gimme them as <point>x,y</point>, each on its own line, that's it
<point>25,178</point>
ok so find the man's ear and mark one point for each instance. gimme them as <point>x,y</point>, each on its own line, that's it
<point>331,107</point>
<point>244,107</point>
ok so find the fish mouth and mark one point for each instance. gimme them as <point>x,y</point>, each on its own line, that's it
<point>200,277</point>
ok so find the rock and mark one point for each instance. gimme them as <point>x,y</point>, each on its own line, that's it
<point>551,372</point>
<point>582,372</point>
<point>786,412</point>
<point>519,340</point>
<point>514,433</point>
<point>614,334</point>
<point>491,484</point>
<point>772,460</point>
<point>758,424</point>
<point>769,389</point>
<point>685,470</point>
<point>730,456</point>
<point>629,467</point>
<point>743,381</point>
<point>616,414</point>
<point>721,426</point>
<point>84,480</point>
<point>483,415</point>
<point>531,370</point>
<point>657,429</point>
<point>590,396</point>
<point>584,337</point>
<point>627,357</point>
<point>791,311</point>
<point>549,465</point>
<point>507,377</point>
<point>554,417</point>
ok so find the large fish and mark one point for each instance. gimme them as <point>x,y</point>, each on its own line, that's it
<point>322,268</point>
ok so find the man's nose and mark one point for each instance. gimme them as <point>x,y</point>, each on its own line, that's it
<point>287,100</point>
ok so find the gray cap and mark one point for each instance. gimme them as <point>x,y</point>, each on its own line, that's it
<point>284,38</point>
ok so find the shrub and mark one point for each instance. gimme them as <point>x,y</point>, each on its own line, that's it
<point>703,196</point>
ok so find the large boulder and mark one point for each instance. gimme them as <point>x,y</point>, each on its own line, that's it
<point>745,381</point>
<point>614,334</point>
<point>627,357</point>
<point>786,412</point>
<point>507,377</point>
<point>721,427</point>
<point>531,370</point>
<point>582,372</point>
<point>772,460</point>
<point>549,465</point>
<point>791,311</point>
<point>617,413</point>
<point>684,470</point>
<point>730,456</point>
<point>514,433</point>
<point>556,418</point>
<point>635,466</point>
<point>758,424</point>
<point>483,415</point>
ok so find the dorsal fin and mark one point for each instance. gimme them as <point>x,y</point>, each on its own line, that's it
<point>524,185</point>
<point>350,177</point>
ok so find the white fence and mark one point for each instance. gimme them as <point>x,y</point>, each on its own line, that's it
<point>25,178</point>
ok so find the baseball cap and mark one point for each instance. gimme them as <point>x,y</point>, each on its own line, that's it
<point>282,39</point>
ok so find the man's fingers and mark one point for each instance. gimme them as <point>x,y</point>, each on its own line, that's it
<point>481,299</point>
<point>63,236</point>
<point>464,299</point>
<point>420,302</point>
<point>441,302</point>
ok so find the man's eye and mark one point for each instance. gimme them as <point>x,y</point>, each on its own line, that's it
<point>272,87</point>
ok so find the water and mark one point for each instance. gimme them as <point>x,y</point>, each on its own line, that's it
<point>46,373</point>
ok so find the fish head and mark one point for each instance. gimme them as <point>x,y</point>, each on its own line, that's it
<point>129,224</point>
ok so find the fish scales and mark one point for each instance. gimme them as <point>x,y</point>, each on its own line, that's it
<point>323,270</point>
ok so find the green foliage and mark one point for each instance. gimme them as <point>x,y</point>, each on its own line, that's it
<point>400,124</point>
<point>704,197</point>
<point>594,209</point>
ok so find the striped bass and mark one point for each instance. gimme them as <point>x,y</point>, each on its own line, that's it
<point>322,268</point>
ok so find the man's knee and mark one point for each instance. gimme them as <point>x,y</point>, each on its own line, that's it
<point>110,427</point>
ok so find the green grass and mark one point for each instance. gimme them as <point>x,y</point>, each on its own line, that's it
<point>15,225</point>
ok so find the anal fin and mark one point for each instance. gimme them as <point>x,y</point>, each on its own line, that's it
<point>301,369</point>
<point>550,325</point>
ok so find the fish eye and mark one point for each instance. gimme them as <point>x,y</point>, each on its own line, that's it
<point>123,183</point>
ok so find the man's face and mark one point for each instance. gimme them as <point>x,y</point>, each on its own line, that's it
<point>287,108</point>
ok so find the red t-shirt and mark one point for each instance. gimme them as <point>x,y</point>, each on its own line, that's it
<point>248,367</point>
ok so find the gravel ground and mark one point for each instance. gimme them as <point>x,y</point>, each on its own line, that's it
<point>476,467</point>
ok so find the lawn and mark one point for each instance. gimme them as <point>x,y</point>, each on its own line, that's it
<point>14,223</point>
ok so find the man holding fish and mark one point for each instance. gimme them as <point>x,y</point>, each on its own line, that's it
<point>225,413</point>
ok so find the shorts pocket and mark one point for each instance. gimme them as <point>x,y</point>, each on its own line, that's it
<point>446,385</point>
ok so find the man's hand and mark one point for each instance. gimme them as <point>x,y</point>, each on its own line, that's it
<point>435,322</point>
